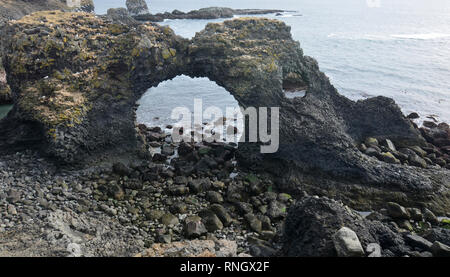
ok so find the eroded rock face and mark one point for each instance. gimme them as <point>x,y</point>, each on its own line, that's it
<point>76,79</point>
<point>78,72</point>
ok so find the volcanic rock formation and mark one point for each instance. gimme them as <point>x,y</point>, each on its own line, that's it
<point>76,78</point>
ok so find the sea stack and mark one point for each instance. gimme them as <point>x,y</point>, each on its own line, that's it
<point>137,7</point>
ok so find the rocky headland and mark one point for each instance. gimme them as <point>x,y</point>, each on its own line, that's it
<point>77,177</point>
<point>139,10</point>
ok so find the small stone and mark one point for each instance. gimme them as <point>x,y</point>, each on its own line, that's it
<point>374,250</point>
<point>413,116</point>
<point>371,141</point>
<point>254,223</point>
<point>12,210</point>
<point>419,151</point>
<point>372,152</point>
<point>211,221</point>
<point>169,219</point>
<point>74,249</point>
<point>347,244</point>
<point>389,158</point>
<point>415,214</point>
<point>194,227</point>
<point>179,190</point>
<point>430,217</point>
<point>389,144</point>
<point>396,211</point>
<point>276,210</point>
<point>214,197</point>
<point>429,124</point>
<point>405,224</point>
<point>222,213</point>
<point>154,214</point>
<point>415,160</point>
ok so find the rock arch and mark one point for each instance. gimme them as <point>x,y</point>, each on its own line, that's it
<point>76,78</point>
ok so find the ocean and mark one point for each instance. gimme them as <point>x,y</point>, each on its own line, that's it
<point>395,48</point>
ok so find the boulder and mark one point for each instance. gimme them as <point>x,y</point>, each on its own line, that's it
<point>430,217</point>
<point>312,222</point>
<point>194,227</point>
<point>417,241</point>
<point>396,211</point>
<point>347,244</point>
<point>137,7</point>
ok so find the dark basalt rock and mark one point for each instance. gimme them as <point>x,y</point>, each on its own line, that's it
<point>137,7</point>
<point>204,13</point>
<point>312,222</point>
<point>75,79</point>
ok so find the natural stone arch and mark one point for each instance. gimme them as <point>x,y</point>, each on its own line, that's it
<point>76,78</point>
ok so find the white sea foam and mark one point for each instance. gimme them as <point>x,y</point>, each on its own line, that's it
<point>422,36</point>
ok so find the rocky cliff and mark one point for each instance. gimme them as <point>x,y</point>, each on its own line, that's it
<point>12,10</point>
<point>76,78</point>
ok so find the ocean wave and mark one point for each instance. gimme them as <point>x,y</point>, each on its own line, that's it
<point>422,36</point>
<point>371,37</point>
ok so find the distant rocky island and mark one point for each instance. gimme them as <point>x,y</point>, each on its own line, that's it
<point>350,179</point>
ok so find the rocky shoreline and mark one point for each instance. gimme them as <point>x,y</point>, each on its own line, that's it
<point>196,203</point>
<point>205,13</point>
<point>79,177</point>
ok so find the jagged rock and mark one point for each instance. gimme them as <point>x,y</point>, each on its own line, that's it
<point>137,7</point>
<point>347,244</point>
<point>312,222</point>
<point>417,241</point>
<point>319,133</point>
